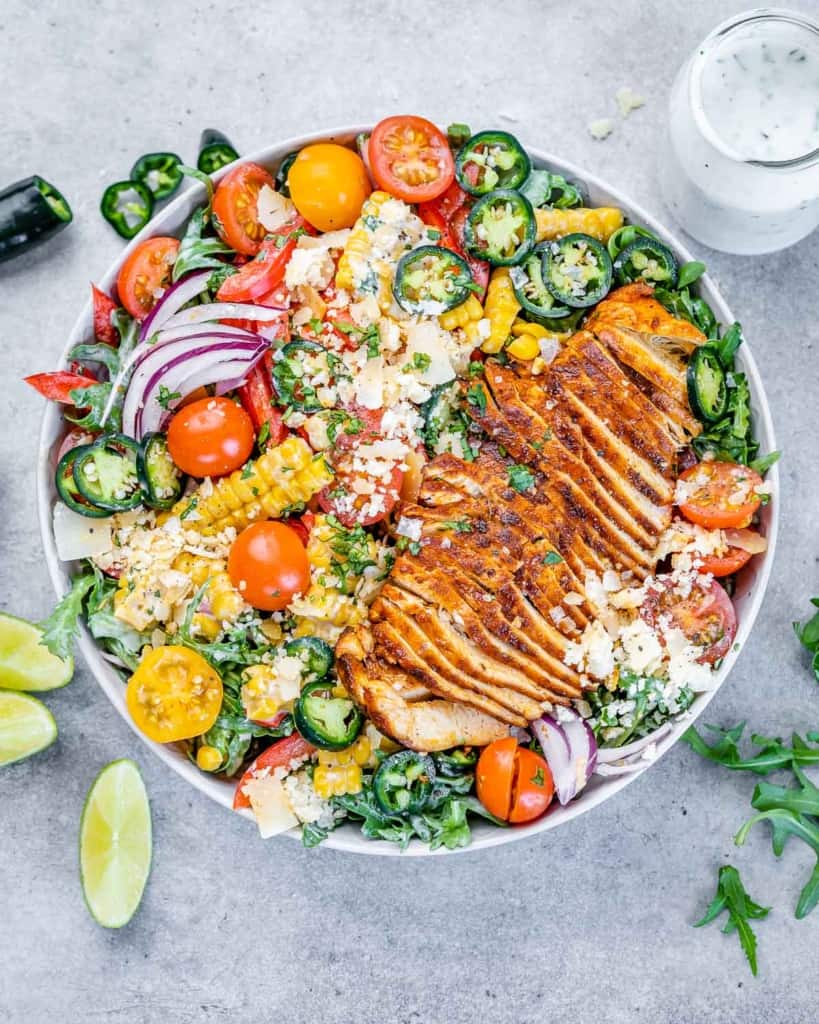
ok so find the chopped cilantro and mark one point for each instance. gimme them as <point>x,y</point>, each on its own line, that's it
<point>552,558</point>
<point>263,436</point>
<point>189,509</point>
<point>477,398</point>
<point>521,478</point>
<point>166,396</point>
<point>458,525</point>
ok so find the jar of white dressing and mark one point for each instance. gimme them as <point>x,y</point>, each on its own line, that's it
<point>740,169</point>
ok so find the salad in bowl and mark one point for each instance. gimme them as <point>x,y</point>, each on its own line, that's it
<point>405,487</point>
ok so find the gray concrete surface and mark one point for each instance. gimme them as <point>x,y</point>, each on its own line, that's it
<point>592,923</point>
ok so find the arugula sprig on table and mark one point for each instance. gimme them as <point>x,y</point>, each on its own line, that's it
<point>790,810</point>
<point>808,635</point>
<point>732,897</point>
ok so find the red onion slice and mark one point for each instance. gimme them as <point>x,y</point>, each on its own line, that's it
<point>190,371</point>
<point>185,332</point>
<point>570,749</point>
<point>172,364</point>
<point>610,755</point>
<point>555,746</point>
<point>222,311</point>
<point>607,770</point>
<point>173,300</point>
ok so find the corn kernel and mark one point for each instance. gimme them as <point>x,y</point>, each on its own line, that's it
<point>520,327</point>
<point>524,347</point>
<point>208,758</point>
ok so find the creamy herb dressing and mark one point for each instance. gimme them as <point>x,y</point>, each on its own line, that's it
<point>744,120</point>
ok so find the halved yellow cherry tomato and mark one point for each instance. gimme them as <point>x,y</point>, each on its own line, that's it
<point>174,694</point>
<point>328,183</point>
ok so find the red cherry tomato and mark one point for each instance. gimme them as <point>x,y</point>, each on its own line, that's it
<point>479,268</point>
<point>210,437</point>
<point>234,208</point>
<point>145,274</point>
<point>357,498</point>
<point>513,782</point>
<point>259,277</point>
<point>706,615</point>
<point>411,158</point>
<point>719,495</point>
<point>277,755</point>
<point>268,565</point>
<point>725,565</point>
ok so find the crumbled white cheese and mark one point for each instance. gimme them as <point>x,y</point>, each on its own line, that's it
<point>409,527</point>
<point>628,100</point>
<point>601,128</point>
<point>314,267</point>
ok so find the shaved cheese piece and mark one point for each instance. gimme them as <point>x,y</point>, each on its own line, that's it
<point>273,210</point>
<point>427,339</point>
<point>746,540</point>
<point>78,536</point>
<point>271,808</point>
<point>369,385</point>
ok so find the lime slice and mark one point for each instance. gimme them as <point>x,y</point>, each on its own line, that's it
<point>115,844</point>
<point>24,663</point>
<point>26,727</point>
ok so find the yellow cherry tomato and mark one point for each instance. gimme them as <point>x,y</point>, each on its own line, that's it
<point>328,183</point>
<point>174,694</point>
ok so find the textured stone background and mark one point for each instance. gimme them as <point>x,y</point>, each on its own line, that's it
<point>589,923</point>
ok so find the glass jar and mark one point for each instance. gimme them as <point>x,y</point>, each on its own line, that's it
<point>740,168</point>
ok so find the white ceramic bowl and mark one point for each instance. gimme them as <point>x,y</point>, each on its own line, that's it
<point>750,589</point>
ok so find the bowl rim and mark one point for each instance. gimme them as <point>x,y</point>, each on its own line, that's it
<point>348,838</point>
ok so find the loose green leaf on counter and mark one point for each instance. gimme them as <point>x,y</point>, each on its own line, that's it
<point>772,755</point>
<point>785,823</point>
<point>808,635</point>
<point>732,897</point>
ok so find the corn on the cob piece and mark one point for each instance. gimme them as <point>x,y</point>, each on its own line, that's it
<point>208,759</point>
<point>324,612</point>
<point>525,346</point>
<point>339,772</point>
<point>501,308</point>
<point>466,316</point>
<point>223,601</point>
<point>600,223</point>
<point>359,268</point>
<point>284,476</point>
<point>269,689</point>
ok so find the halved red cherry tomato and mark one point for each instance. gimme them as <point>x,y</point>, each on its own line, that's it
<point>211,437</point>
<point>706,615</point>
<point>263,274</point>
<point>145,274</point>
<point>725,565</point>
<point>234,208</point>
<point>268,565</point>
<point>411,158</point>
<point>433,218</point>
<point>303,526</point>
<point>58,385</point>
<point>73,439</point>
<point>277,755</point>
<point>719,495</point>
<point>103,307</point>
<point>513,782</point>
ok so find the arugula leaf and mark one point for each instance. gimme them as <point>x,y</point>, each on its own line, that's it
<point>808,632</point>
<point>732,896</point>
<point>771,756</point>
<point>96,353</point>
<point>62,625</point>
<point>689,273</point>
<point>197,252</point>
<point>764,463</point>
<point>726,346</point>
<point>785,823</point>
<point>94,401</point>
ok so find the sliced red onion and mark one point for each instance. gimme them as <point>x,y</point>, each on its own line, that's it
<point>193,370</point>
<point>555,746</point>
<point>173,300</point>
<point>222,311</point>
<point>610,755</point>
<point>185,332</point>
<point>620,769</point>
<point>570,749</point>
<point>173,364</point>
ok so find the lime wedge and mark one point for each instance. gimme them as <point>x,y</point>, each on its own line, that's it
<point>26,727</point>
<point>115,844</point>
<point>24,663</point>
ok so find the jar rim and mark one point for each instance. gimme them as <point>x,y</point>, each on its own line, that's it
<point>698,63</point>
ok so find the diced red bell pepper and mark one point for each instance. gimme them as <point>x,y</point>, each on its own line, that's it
<point>279,755</point>
<point>103,306</point>
<point>57,386</point>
